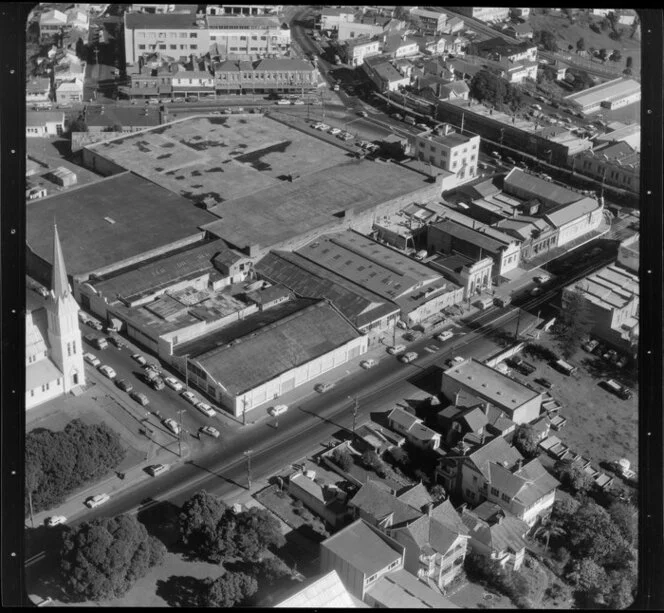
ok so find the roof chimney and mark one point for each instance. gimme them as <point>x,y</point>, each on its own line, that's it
<point>485,407</point>
<point>428,508</point>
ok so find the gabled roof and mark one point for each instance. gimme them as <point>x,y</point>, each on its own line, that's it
<point>456,87</point>
<point>506,535</point>
<point>438,531</point>
<point>379,504</point>
<point>403,418</point>
<point>475,419</point>
<point>416,496</point>
<point>497,451</point>
<point>572,211</point>
<point>326,591</point>
<point>539,482</point>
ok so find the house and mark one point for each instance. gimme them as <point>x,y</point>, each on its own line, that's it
<point>361,28</point>
<point>428,21</point>
<point>496,534</point>
<point>196,83</point>
<point>434,536</point>
<point>384,76</point>
<point>496,472</point>
<point>78,19</point>
<point>413,429</point>
<point>69,68</point>
<point>51,23</point>
<point>37,90</point>
<point>398,45</point>
<point>327,591</point>
<point>331,18</point>
<point>483,13</point>
<point>50,123</point>
<point>520,13</point>
<point>456,90</point>
<point>429,44</point>
<point>520,31</point>
<point>354,51</point>
<point>68,92</point>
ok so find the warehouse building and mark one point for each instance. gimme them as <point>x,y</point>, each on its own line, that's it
<point>610,95</point>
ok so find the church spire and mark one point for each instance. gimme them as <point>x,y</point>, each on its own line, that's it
<point>59,283</point>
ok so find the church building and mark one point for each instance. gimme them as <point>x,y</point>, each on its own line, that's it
<point>53,347</point>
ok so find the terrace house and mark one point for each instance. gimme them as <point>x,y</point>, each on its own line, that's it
<point>413,429</point>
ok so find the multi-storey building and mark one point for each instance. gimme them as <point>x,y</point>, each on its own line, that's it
<point>615,164</point>
<point>248,38</point>
<point>354,51</point>
<point>331,18</point>
<point>242,9</point>
<point>51,24</point>
<point>428,21</point>
<point>279,75</point>
<point>483,13</point>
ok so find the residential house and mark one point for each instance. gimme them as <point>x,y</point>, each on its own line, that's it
<point>331,18</point>
<point>50,123</point>
<point>51,23</point>
<point>325,499</point>
<point>429,44</point>
<point>428,21</point>
<point>68,92</point>
<point>397,45</point>
<point>520,13</point>
<point>454,44</point>
<point>496,534</point>
<point>361,28</point>
<point>456,90</point>
<point>37,90</point>
<point>520,31</point>
<point>354,51</point>
<point>413,429</point>
<point>384,76</point>
<point>434,536</point>
<point>69,68</point>
<point>454,24</point>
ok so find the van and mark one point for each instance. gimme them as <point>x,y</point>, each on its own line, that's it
<point>564,367</point>
<point>502,301</point>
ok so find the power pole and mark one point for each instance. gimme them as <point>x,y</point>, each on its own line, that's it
<point>180,432</point>
<point>518,321</point>
<point>354,414</point>
<point>32,518</point>
<point>247,454</point>
<point>244,411</point>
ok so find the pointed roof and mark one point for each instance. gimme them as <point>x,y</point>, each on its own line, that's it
<point>416,496</point>
<point>59,283</point>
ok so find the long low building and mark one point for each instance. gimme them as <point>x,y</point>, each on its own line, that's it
<point>303,339</point>
<point>611,95</point>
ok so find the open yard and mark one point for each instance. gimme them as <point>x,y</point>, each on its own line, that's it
<point>600,426</point>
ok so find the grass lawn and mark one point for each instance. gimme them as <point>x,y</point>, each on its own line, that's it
<point>283,506</point>
<point>474,596</point>
<point>600,426</point>
<point>569,33</point>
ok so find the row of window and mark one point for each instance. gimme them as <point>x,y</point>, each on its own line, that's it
<point>44,388</point>
<point>71,348</point>
<point>163,47</point>
<point>165,34</point>
<point>225,76</point>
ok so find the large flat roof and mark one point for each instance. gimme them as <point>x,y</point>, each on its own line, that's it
<point>110,221</point>
<point>616,89</point>
<point>611,287</point>
<point>489,383</point>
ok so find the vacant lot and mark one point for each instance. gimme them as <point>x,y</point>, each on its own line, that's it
<point>569,33</point>
<point>600,426</point>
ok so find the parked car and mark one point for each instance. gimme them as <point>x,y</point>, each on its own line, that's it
<point>413,335</point>
<point>590,346</point>
<point>406,358</point>
<point>172,425</point>
<point>278,409</point>
<point>124,385</point>
<point>139,397</point>
<point>95,501</point>
<point>91,359</point>
<point>535,291</point>
<point>334,131</point>
<point>495,154</point>
<point>396,349</point>
<point>206,409</point>
<point>541,279</point>
<point>157,383</point>
<point>93,323</point>
<point>397,116</point>
<point>190,397</point>
<point>282,102</point>
<point>422,126</point>
<point>544,382</point>
<point>297,102</point>
<point>324,127</point>
<point>321,388</point>
<point>367,364</point>
<point>117,341</point>
<point>56,520</point>
<point>107,371</point>
<point>174,384</point>
<point>363,113</point>
<point>157,469</point>
<point>210,431</point>
<point>137,357</point>
<point>444,335</point>
<point>454,361</point>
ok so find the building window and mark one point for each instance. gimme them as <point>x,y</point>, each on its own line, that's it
<point>193,46</point>
<point>141,46</point>
<point>32,393</point>
<point>174,47</point>
<point>193,35</point>
<point>505,497</point>
<point>162,46</point>
<point>494,491</point>
<point>69,349</point>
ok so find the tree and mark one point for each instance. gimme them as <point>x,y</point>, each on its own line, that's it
<point>622,588</point>
<point>563,509</point>
<point>624,516</point>
<point>581,44</point>
<point>438,493</point>
<point>78,125</point>
<point>525,440</point>
<point>547,39</point>
<point>342,458</point>
<point>399,456</point>
<point>616,56</point>
<point>549,528</point>
<point>255,531</point>
<point>629,61</point>
<point>105,557</point>
<point>269,570</point>
<point>80,49</point>
<point>228,590</point>
<point>573,323</point>
<point>371,461</point>
<point>199,523</point>
<point>571,475</point>
<point>589,578</point>
<point>603,54</point>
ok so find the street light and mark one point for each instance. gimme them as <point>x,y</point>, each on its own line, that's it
<point>247,454</point>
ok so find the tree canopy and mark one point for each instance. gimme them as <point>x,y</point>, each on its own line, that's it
<point>571,475</point>
<point>58,462</point>
<point>228,590</point>
<point>525,440</point>
<point>547,39</point>
<point>488,87</point>
<point>573,323</point>
<point>199,520</point>
<point>105,557</point>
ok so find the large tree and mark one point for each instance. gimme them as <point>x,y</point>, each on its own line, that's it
<point>256,530</point>
<point>547,39</point>
<point>589,578</point>
<point>625,517</point>
<point>573,323</point>
<point>199,522</point>
<point>104,558</point>
<point>525,440</point>
<point>571,475</point>
<point>581,44</point>
<point>228,590</point>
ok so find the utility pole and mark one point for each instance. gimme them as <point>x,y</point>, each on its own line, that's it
<point>355,406</point>
<point>32,518</point>
<point>518,321</point>
<point>247,454</point>
<point>180,432</point>
<point>244,411</point>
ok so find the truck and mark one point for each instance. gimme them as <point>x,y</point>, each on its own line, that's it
<point>619,390</point>
<point>564,367</point>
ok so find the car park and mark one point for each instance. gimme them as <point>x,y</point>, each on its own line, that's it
<point>107,371</point>
<point>321,388</point>
<point>444,335</point>
<point>172,425</point>
<point>95,501</point>
<point>210,431</point>
<point>157,469</point>
<point>56,520</point>
<point>406,358</point>
<point>139,397</point>
<point>173,383</point>
<point>396,349</point>
<point>367,364</point>
<point>190,397</point>
<point>206,409</point>
<point>279,409</point>
<point>137,357</point>
<point>124,385</point>
<point>91,359</point>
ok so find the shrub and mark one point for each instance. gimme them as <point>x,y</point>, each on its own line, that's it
<point>342,458</point>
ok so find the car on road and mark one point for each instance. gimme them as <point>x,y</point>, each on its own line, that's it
<point>210,431</point>
<point>396,349</point>
<point>413,335</point>
<point>98,500</point>
<point>363,113</point>
<point>124,385</point>
<point>282,102</point>
<point>173,383</point>
<point>93,323</point>
<point>139,397</point>
<point>346,136</point>
<point>444,335</point>
<point>157,469</point>
<point>321,388</point>
<point>190,397</point>
<point>422,126</point>
<point>157,383</point>
<point>367,364</point>
<point>206,409</point>
<point>510,160</point>
<point>172,425</point>
<point>397,116</point>
<point>323,127</point>
<point>56,520</point>
<point>277,409</point>
<point>541,279</point>
<point>456,360</point>
<point>536,291</point>
<point>297,102</point>
<point>334,131</point>
<point>117,341</point>
<point>544,382</point>
<point>107,371</point>
<point>495,154</point>
<point>137,357</point>
<point>406,358</point>
<point>91,359</point>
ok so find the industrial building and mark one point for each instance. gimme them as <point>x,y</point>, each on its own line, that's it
<point>610,95</point>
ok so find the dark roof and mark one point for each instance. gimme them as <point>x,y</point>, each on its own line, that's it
<point>310,280</point>
<point>507,535</point>
<point>474,237</point>
<point>378,504</point>
<point>131,202</point>
<point>539,188</point>
<point>296,339</point>
<point>500,45</point>
<point>44,117</point>
<point>416,496</point>
<point>152,21</point>
<point>497,450</point>
<point>285,63</point>
<point>263,296</point>
<point>245,21</point>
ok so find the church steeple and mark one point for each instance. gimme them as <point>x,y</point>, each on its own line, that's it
<point>59,283</point>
